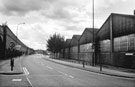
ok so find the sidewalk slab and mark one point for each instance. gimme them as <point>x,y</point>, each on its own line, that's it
<point>105,71</point>
<point>5,68</point>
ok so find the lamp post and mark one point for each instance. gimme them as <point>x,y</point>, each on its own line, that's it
<point>18,47</point>
<point>93,42</point>
<point>17,31</point>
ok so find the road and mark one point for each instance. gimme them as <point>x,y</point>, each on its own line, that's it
<point>42,73</point>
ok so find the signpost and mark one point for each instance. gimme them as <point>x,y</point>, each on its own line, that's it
<point>17,47</point>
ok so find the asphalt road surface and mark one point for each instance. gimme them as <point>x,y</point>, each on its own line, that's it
<point>42,73</point>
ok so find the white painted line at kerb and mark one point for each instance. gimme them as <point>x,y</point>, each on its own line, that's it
<point>25,71</point>
<point>49,67</point>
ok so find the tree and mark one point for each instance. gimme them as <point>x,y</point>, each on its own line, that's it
<point>55,43</point>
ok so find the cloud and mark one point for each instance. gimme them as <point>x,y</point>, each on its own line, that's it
<point>46,17</point>
<point>21,7</point>
<point>56,13</point>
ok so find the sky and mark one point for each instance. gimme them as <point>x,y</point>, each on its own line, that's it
<point>43,18</point>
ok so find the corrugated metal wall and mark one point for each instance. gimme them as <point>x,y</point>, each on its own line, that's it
<point>115,39</point>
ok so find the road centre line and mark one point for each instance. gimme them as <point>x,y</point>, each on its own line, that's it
<point>71,76</point>
<point>66,74</point>
<point>49,67</point>
<point>62,72</point>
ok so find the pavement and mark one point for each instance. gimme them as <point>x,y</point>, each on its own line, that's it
<point>106,71</point>
<point>5,68</point>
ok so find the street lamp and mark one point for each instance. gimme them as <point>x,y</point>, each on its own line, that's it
<point>18,47</point>
<point>17,31</point>
<point>93,42</point>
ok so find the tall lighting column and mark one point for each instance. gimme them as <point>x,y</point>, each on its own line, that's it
<point>93,43</point>
<point>17,45</point>
<point>17,32</point>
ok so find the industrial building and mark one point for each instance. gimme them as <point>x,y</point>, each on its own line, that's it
<point>114,43</point>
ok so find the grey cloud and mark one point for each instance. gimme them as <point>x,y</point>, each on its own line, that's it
<point>20,7</point>
<point>71,28</point>
<point>56,13</point>
<point>52,9</point>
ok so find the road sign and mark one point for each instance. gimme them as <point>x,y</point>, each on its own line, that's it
<point>12,45</point>
<point>17,47</point>
<point>129,54</point>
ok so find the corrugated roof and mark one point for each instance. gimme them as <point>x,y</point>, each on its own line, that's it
<point>87,35</point>
<point>68,42</point>
<point>121,25</point>
<point>76,36</point>
<point>74,40</point>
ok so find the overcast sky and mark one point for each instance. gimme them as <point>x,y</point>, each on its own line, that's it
<point>67,17</point>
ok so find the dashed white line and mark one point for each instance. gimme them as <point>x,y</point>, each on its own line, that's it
<point>49,67</point>
<point>71,76</point>
<point>66,74</point>
<point>63,73</point>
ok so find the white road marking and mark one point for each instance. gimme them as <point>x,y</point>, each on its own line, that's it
<point>16,79</point>
<point>62,72</point>
<point>71,76</point>
<point>66,74</point>
<point>29,81</point>
<point>49,67</point>
<point>25,71</point>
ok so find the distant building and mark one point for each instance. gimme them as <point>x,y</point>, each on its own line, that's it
<point>41,52</point>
